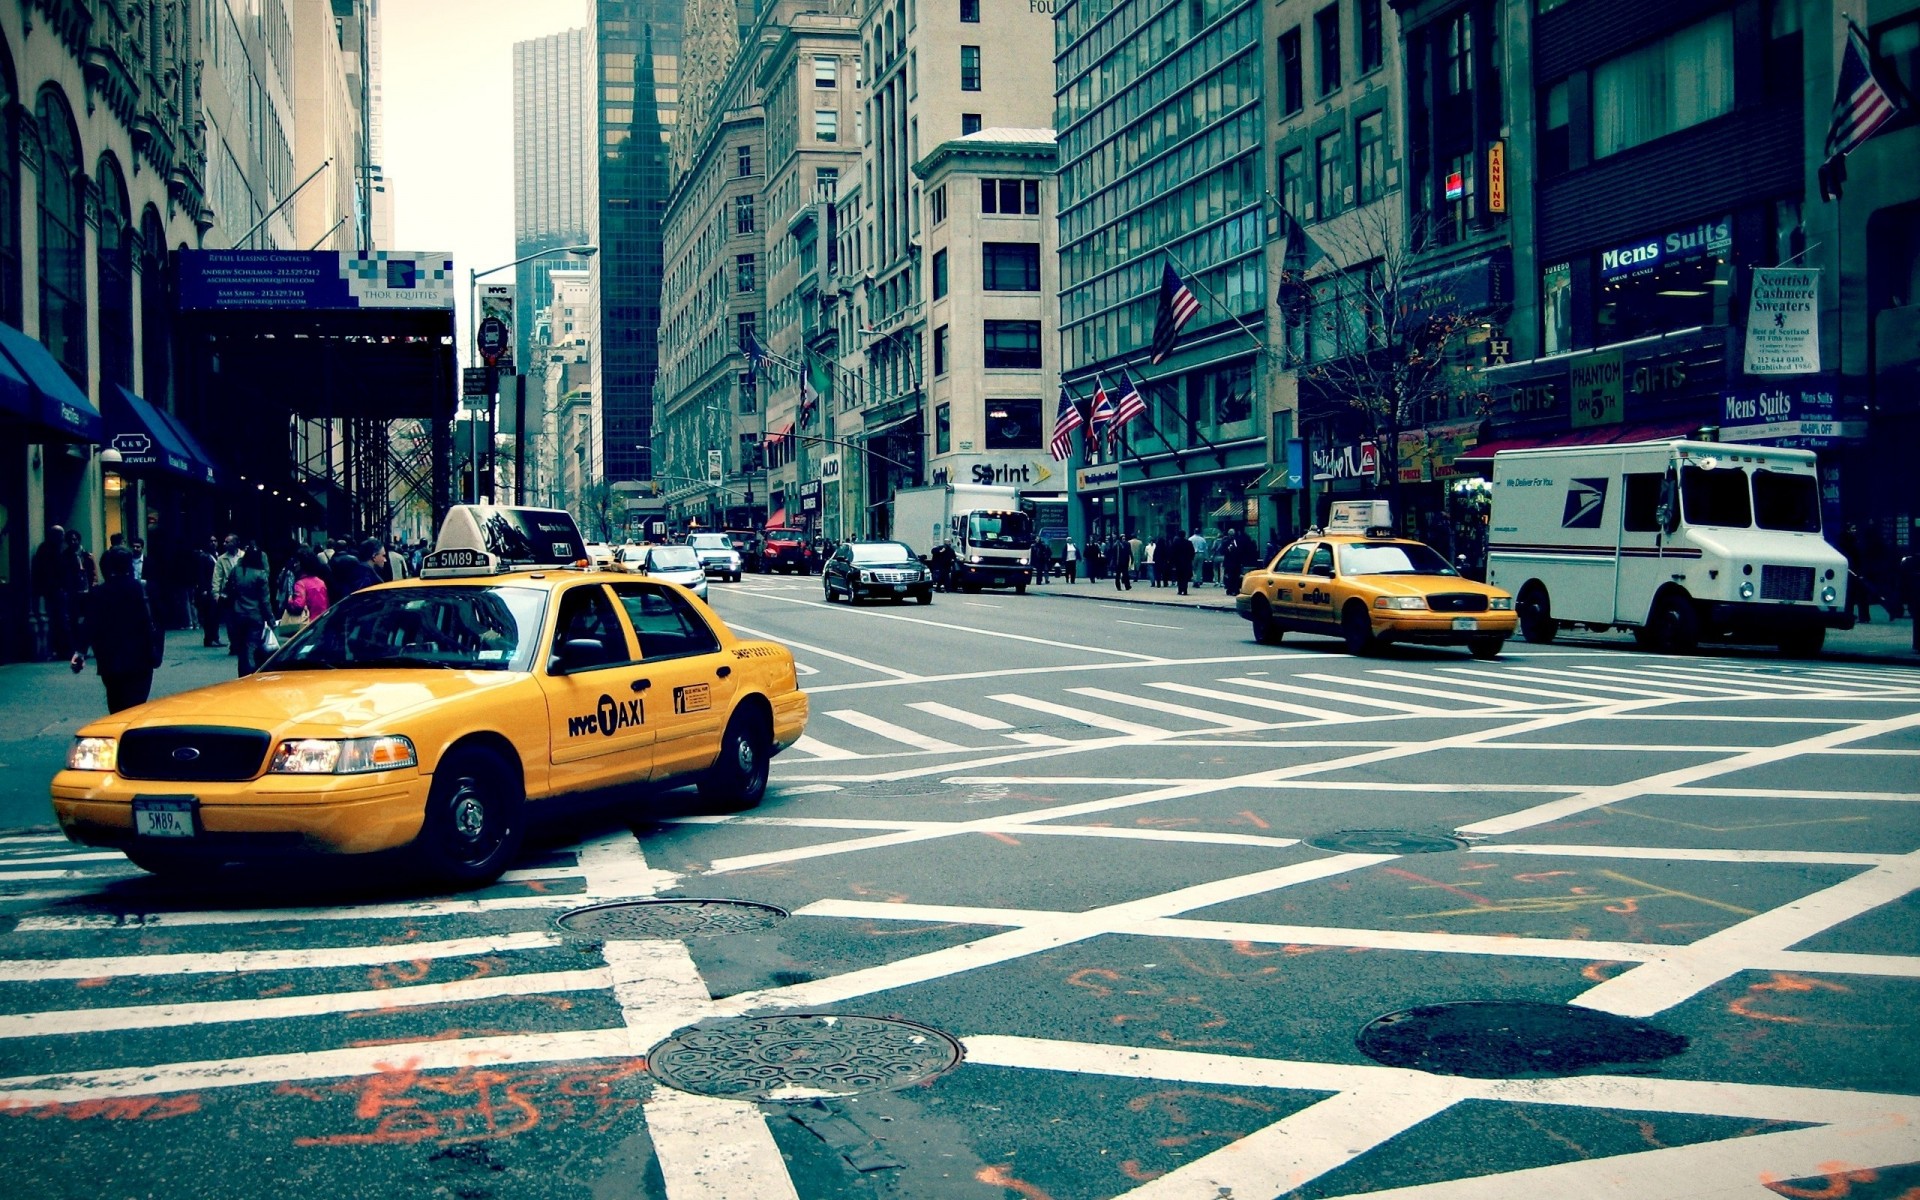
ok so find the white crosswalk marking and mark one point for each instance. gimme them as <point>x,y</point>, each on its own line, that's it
<point>887,729</point>
<point>1081,715</point>
<point>18,970</point>
<point>1481,675</point>
<point>1172,710</point>
<point>1321,714</point>
<point>959,715</point>
<point>1402,689</point>
<point>809,745</point>
<point>1291,689</point>
<point>1587,683</point>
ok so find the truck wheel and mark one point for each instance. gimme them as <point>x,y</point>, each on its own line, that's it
<point>1536,615</point>
<point>1485,647</point>
<point>1265,631</point>
<point>1803,643</point>
<point>473,824</point>
<point>1357,629</point>
<point>1675,624</point>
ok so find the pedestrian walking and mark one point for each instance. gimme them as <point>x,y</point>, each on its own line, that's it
<point>941,563</point>
<point>1149,563</point>
<point>347,574</point>
<point>1096,559</point>
<point>77,575</point>
<point>308,599</point>
<point>1120,559</point>
<point>206,599</point>
<point>1073,562</point>
<point>47,577</point>
<point>1180,551</point>
<point>1236,548</point>
<point>249,590</point>
<point>117,625</point>
<point>1200,552</point>
<point>1042,561</point>
<point>223,566</point>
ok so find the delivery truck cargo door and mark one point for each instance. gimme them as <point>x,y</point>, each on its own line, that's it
<point>1642,566</point>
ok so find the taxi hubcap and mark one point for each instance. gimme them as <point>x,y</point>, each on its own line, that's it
<point>743,754</point>
<point>469,813</point>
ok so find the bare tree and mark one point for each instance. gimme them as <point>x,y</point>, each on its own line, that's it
<point>600,510</point>
<point>1369,338</point>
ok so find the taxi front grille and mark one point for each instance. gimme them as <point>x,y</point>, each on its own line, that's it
<point>1786,583</point>
<point>1457,602</point>
<point>193,753</point>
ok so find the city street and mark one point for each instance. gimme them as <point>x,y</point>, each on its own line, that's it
<point>1057,898</point>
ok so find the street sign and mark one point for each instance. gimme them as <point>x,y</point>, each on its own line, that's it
<point>1370,459</point>
<point>476,381</point>
<point>493,339</point>
<point>716,473</point>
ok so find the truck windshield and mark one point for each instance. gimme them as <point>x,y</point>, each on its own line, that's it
<point>1716,497</point>
<point>999,529</point>
<point>456,628</point>
<point>1784,500</point>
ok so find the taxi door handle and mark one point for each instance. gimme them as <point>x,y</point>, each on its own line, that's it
<point>723,672</point>
<point>641,685</point>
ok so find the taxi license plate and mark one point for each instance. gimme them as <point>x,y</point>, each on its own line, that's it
<point>168,818</point>
<point>1465,623</point>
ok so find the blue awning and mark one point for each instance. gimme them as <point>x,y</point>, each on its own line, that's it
<point>142,438</point>
<point>59,406</point>
<point>202,467</point>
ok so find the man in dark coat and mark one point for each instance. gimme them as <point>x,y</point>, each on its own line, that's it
<point>118,625</point>
<point>1179,552</point>
<point>347,575</point>
<point>47,579</point>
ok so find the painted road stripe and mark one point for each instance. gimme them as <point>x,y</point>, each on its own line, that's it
<point>890,731</point>
<point>1682,681</point>
<point>275,1008</point>
<point>1239,724</point>
<point>1481,676</point>
<point>1668,853</point>
<point>951,627</point>
<point>1122,833</point>
<point>959,715</point>
<point>1462,693</point>
<point>1298,710</point>
<point>1083,717</point>
<point>1039,739</point>
<point>1583,682</point>
<point>238,962</point>
<point>7,877</point>
<point>714,1149</point>
<point>808,744</point>
<point>850,660</point>
<point>62,859</point>
<point>1293,689</point>
<point>1668,673</point>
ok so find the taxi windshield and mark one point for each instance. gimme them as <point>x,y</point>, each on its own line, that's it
<point>1392,558</point>
<point>455,628</point>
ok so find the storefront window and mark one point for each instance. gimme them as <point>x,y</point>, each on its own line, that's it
<point>1675,280</point>
<point>943,429</point>
<point>1013,425</point>
<point>1556,309</point>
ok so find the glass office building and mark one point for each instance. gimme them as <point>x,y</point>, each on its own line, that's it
<point>552,129</point>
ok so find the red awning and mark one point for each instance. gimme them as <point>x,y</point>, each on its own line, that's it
<point>777,519</point>
<point>1601,435</point>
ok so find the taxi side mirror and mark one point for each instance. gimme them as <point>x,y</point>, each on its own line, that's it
<point>1323,570</point>
<point>579,653</point>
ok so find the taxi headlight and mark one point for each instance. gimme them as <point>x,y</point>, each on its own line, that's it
<point>349,756</point>
<point>1500,604</point>
<point>1401,602</point>
<point>93,754</point>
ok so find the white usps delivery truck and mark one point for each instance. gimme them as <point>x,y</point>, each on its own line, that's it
<point>1677,541</point>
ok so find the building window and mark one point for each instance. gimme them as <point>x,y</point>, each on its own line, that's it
<point>969,123</point>
<point>743,214</point>
<point>1556,136</point>
<point>746,325</point>
<point>826,71</point>
<point>1013,345</point>
<point>1679,81</point>
<point>1897,47</point>
<point>825,181</point>
<point>743,271</point>
<point>1457,190</point>
<point>939,274</point>
<point>1010,267</point>
<point>1011,197</point>
<point>826,124</point>
<point>114,270</point>
<point>63,258</point>
<point>1458,73</point>
<point>1030,197</point>
<point>1367,18</point>
<point>970,12</point>
<point>744,156</point>
<point>1328,152</point>
<point>1326,36</point>
<point>1292,94</point>
<point>156,317</point>
<point>1293,185</point>
<point>1371,156</point>
<point>969,68</point>
<point>940,350</point>
<point>942,428</point>
<point>937,202</point>
<point>1013,425</point>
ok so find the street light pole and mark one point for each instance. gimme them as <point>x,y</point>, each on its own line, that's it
<point>473,340</point>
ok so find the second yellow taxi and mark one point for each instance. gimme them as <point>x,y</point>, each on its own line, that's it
<point>431,714</point>
<point>1370,588</point>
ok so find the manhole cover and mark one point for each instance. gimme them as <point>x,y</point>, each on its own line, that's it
<point>801,1056</point>
<point>629,920</point>
<point>1501,1039</point>
<point>1384,841</point>
<point>911,787</point>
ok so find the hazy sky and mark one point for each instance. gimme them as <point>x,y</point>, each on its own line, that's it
<point>447,78</point>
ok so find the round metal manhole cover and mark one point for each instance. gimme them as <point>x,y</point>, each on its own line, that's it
<point>631,920</point>
<point>1384,841</point>
<point>1501,1039</point>
<point>801,1056</point>
<point>911,787</point>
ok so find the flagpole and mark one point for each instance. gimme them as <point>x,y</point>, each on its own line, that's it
<point>1259,342</point>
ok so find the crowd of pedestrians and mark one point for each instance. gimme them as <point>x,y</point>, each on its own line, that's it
<point>1180,559</point>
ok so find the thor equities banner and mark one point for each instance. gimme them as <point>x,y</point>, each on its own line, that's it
<point>1783,322</point>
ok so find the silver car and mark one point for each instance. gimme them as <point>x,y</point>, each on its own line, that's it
<point>675,564</point>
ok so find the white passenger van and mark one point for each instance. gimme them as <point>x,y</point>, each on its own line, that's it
<point>1677,541</point>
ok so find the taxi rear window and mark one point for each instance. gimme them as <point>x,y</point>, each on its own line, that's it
<point>456,628</point>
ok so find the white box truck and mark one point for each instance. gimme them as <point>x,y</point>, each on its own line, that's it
<point>1677,541</point>
<point>991,535</point>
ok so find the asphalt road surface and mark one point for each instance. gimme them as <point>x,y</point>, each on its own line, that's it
<point>1059,899</point>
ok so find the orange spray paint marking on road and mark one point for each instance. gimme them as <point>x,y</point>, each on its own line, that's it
<point>1445,887</point>
<point>127,1108</point>
<point>1253,819</point>
<point>1786,984</point>
<point>1840,1179</point>
<point>1600,972</point>
<point>1008,838</point>
<point>999,1176</point>
<point>470,1105</point>
<point>95,982</point>
<point>1083,977</point>
<point>1132,1170</point>
<point>1540,876</point>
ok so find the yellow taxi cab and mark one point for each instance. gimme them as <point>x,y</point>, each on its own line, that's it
<point>1359,583</point>
<point>433,713</point>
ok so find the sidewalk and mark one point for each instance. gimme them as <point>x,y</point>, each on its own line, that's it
<point>41,704</point>
<point>1882,641</point>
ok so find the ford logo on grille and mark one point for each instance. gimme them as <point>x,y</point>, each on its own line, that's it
<point>186,754</point>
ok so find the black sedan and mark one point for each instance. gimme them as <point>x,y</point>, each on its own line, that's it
<point>872,570</point>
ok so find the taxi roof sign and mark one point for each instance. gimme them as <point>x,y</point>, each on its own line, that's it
<point>482,539</point>
<point>1360,516</point>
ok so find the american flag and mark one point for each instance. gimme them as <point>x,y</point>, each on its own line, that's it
<point>1102,415</point>
<point>1065,422</point>
<point>755,356</point>
<point>1131,405</point>
<point>1177,307</point>
<point>1861,105</point>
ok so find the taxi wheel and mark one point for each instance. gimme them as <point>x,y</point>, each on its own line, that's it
<point>1265,630</point>
<point>473,824</point>
<point>171,864</point>
<point>1357,629</point>
<point>1486,647</point>
<point>738,777</point>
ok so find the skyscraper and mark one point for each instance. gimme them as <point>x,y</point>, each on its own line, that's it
<point>552,133</point>
<point>633,51</point>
